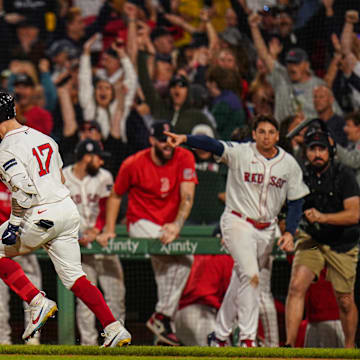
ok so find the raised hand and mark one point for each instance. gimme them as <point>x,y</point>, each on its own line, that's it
<point>352,17</point>
<point>119,47</point>
<point>89,43</point>
<point>254,19</point>
<point>130,11</point>
<point>175,140</point>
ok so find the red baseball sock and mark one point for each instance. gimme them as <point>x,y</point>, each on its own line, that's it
<point>94,300</point>
<point>13,276</point>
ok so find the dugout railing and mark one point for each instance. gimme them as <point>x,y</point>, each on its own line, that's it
<point>193,240</point>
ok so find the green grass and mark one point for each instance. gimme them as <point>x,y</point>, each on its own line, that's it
<point>107,357</point>
<point>157,352</point>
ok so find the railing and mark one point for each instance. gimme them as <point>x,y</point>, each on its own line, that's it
<point>192,240</point>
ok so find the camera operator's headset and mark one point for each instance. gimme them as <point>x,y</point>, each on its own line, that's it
<point>319,128</point>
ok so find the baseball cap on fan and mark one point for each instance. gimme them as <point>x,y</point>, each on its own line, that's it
<point>203,129</point>
<point>316,138</point>
<point>23,79</point>
<point>158,128</point>
<point>89,146</point>
<point>296,56</point>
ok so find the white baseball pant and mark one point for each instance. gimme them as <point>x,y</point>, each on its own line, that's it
<point>171,272</point>
<point>250,249</point>
<point>5,328</point>
<point>267,310</point>
<point>108,271</point>
<point>193,323</point>
<point>60,242</point>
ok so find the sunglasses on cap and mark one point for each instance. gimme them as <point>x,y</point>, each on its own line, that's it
<point>179,82</point>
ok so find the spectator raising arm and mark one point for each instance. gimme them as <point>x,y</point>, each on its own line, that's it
<point>254,21</point>
<point>351,18</point>
<point>131,45</point>
<point>335,62</point>
<point>179,21</point>
<point>210,31</point>
<point>67,108</point>
<point>86,89</point>
<point>48,85</point>
<point>129,83</point>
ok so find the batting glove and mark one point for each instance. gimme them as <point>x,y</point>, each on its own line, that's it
<point>10,234</point>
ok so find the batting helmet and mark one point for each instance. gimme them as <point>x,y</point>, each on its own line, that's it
<point>7,106</point>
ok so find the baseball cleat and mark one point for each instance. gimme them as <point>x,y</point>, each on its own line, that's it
<point>40,308</point>
<point>116,335</point>
<point>247,343</point>
<point>213,341</point>
<point>159,324</point>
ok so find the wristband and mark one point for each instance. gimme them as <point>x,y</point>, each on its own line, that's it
<point>15,220</point>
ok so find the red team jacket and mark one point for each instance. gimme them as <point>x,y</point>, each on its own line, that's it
<point>208,280</point>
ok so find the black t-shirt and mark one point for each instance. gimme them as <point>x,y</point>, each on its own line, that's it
<point>327,195</point>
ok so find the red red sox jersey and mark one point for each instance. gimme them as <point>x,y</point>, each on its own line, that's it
<point>154,191</point>
<point>258,187</point>
<point>29,153</point>
<point>87,194</point>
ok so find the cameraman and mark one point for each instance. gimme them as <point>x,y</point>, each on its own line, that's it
<point>328,237</point>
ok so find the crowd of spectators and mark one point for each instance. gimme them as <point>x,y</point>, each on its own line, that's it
<point>109,69</point>
<point>122,65</point>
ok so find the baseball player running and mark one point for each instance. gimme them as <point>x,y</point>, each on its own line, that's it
<point>90,186</point>
<point>262,176</point>
<point>43,214</point>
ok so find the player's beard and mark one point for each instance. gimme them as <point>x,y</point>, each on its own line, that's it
<point>91,169</point>
<point>161,156</point>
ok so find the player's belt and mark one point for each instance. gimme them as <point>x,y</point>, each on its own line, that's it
<point>256,224</point>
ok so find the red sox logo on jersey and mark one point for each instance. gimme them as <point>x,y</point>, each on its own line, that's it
<point>258,178</point>
<point>165,186</point>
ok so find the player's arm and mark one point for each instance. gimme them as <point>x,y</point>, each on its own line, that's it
<point>286,240</point>
<point>202,142</point>
<point>23,190</point>
<point>112,211</point>
<point>171,231</point>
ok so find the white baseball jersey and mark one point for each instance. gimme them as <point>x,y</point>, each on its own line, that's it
<point>32,153</point>
<point>258,187</point>
<point>87,192</point>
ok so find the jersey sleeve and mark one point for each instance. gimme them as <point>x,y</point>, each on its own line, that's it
<point>123,178</point>
<point>188,172</point>
<point>229,152</point>
<point>10,166</point>
<point>106,185</point>
<point>297,189</point>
